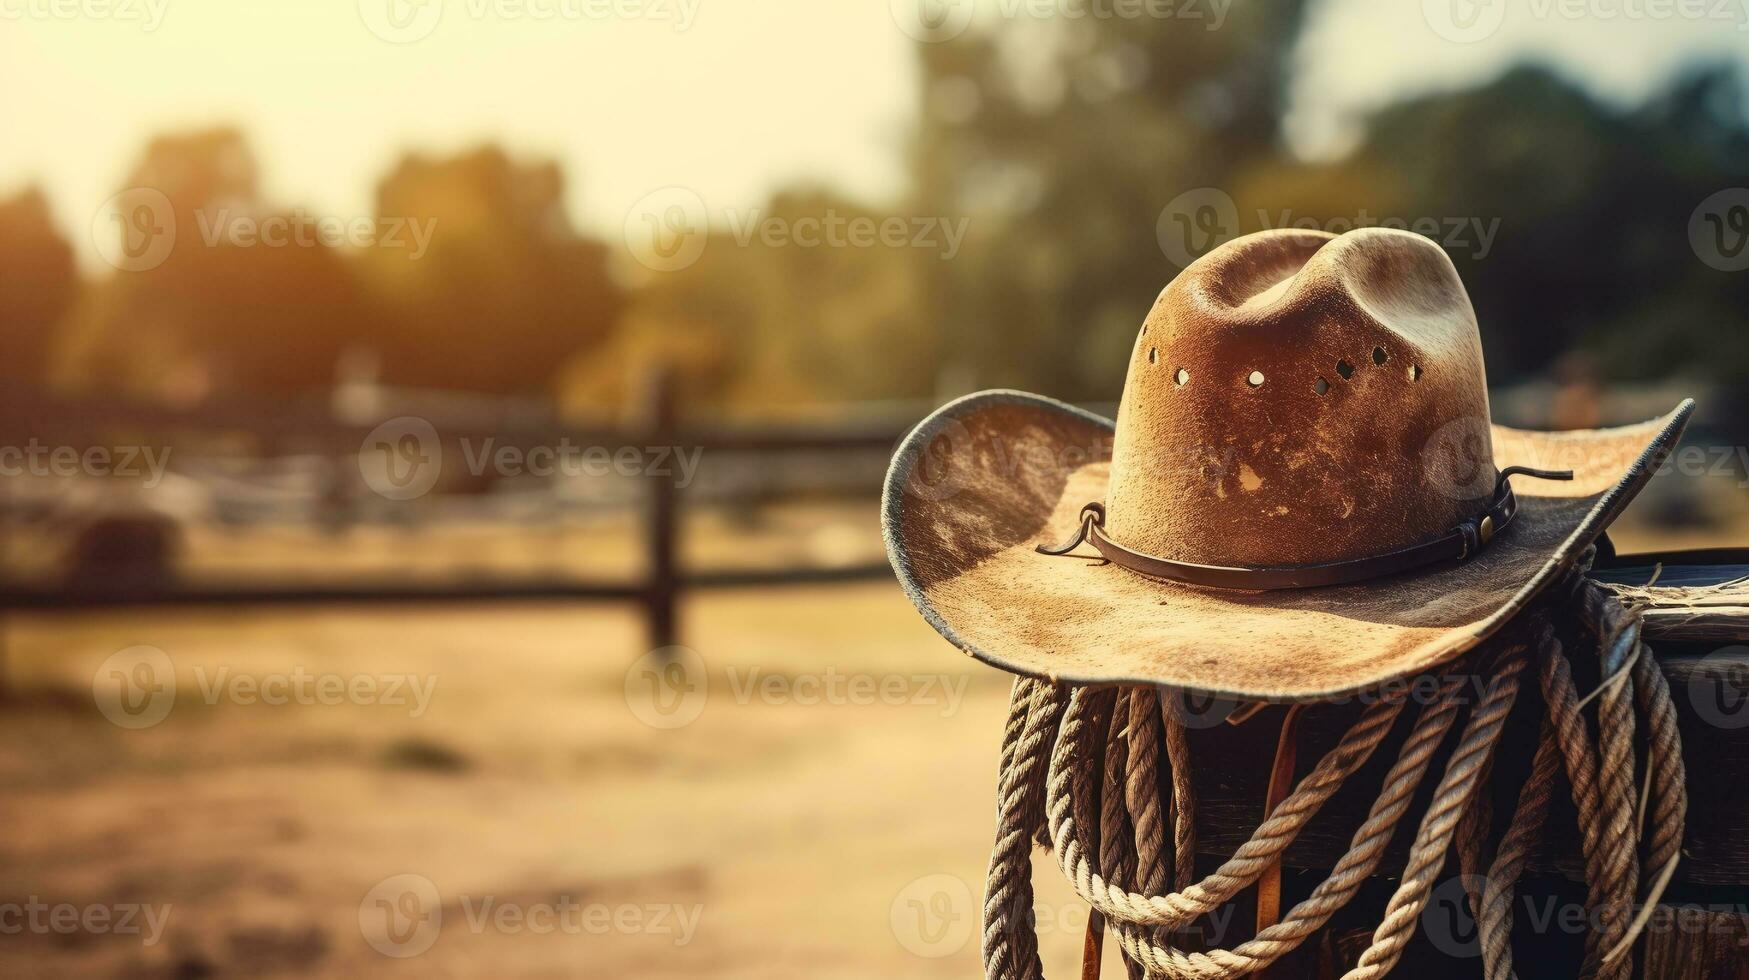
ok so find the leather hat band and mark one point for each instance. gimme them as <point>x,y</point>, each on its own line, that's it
<point>1458,544</point>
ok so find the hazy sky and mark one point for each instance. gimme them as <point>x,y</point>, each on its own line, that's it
<point>727,97</point>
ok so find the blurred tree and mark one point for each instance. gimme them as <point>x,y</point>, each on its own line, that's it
<point>1593,203</point>
<point>507,288</point>
<point>1063,139</point>
<point>785,310</point>
<point>38,282</point>
<point>228,310</point>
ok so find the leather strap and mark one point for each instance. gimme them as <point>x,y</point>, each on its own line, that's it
<point>1281,782</point>
<point>1458,544</point>
<point>1093,947</point>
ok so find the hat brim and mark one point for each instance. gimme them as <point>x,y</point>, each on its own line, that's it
<point>977,485</point>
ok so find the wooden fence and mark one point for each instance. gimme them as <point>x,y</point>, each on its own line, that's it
<point>65,422</point>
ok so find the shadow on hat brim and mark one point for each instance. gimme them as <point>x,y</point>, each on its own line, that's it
<point>977,485</point>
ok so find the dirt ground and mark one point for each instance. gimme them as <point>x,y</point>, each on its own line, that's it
<point>825,814</point>
<point>509,791</point>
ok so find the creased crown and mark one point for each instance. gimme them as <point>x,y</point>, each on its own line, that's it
<point>1296,397</point>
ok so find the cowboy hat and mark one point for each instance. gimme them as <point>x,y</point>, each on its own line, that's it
<point>1302,497</point>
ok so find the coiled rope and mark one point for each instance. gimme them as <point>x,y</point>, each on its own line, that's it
<point>1080,773</point>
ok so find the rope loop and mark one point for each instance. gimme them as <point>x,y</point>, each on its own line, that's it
<point>1081,773</point>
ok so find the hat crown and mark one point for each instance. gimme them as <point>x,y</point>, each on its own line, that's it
<point>1296,397</point>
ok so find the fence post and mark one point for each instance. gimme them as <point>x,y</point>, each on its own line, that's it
<point>660,530</point>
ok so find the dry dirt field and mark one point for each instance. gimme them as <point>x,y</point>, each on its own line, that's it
<point>804,824</point>
<point>509,791</point>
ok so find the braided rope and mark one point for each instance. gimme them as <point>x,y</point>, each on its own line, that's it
<point>1117,849</point>
<point>1010,940</point>
<point>1462,776</point>
<point>1365,852</point>
<point>1494,913</point>
<point>1246,864</point>
<point>1183,799</point>
<point>1081,770</point>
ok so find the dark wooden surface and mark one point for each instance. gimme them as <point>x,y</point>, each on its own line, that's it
<point>1709,685</point>
<point>1698,626</point>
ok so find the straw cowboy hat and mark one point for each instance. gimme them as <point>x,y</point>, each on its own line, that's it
<point>1302,497</point>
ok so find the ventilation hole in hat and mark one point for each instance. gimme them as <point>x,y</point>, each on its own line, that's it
<point>1153,355</point>
<point>1320,386</point>
<point>1414,372</point>
<point>1255,379</point>
<point>1345,369</point>
<point>1379,356</point>
<point>1181,377</point>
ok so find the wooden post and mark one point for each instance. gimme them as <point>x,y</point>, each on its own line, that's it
<point>7,515</point>
<point>661,531</point>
